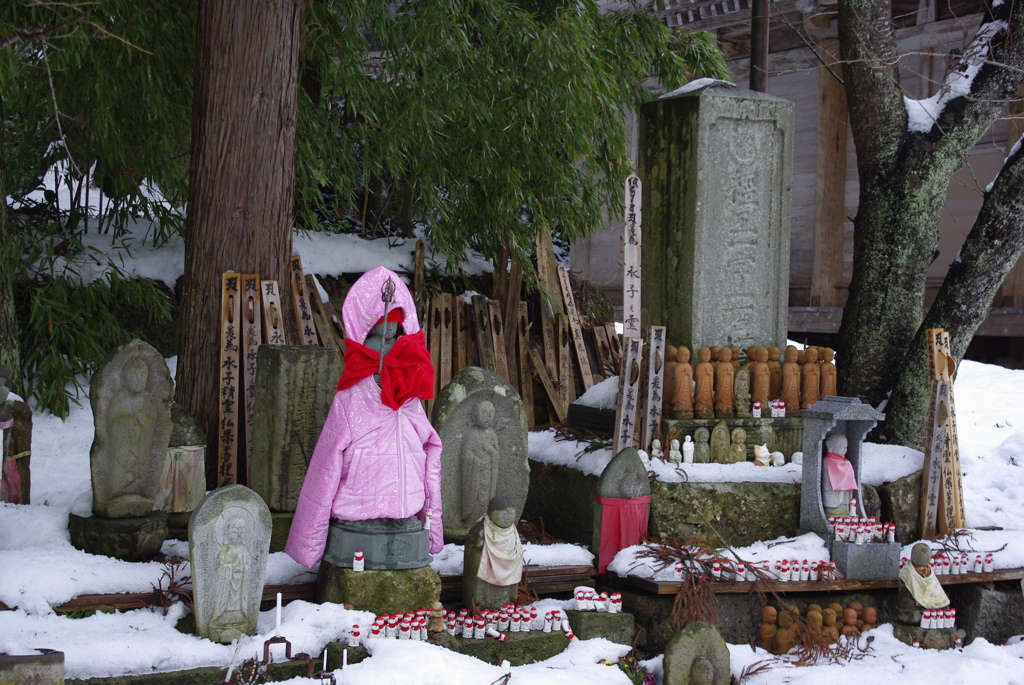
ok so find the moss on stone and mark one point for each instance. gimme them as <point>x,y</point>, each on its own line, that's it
<point>382,592</point>
<point>563,499</point>
<point>521,648</point>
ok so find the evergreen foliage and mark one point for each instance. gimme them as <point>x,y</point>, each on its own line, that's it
<point>480,120</point>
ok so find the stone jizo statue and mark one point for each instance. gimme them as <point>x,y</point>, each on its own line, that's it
<point>838,482</point>
<point>131,397</point>
<point>702,448</point>
<point>741,393</point>
<point>234,569</point>
<point>918,588</point>
<point>493,563</point>
<point>720,444</point>
<point>479,460</point>
<point>738,447</point>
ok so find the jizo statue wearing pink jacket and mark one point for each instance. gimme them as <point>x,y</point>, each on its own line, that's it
<point>378,457</point>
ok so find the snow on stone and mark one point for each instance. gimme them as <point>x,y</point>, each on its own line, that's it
<point>697,85</point>
<point>601,395</point>
<point>545,448</point>
<point>449,561</point>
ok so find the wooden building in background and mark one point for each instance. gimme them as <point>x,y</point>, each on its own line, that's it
<point>803,56</point>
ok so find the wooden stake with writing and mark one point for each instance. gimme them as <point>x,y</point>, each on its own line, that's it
<point>498,340</point>
<point>525,377</point>
<point>631,260</point>
<point>941,496</point>
<point>273,326</point>
<point>251,334</point>
<point>576,328</point>
<point>629,396</point>
<point>227,415</point>
<point>655,385</point>
<point>304,320</point>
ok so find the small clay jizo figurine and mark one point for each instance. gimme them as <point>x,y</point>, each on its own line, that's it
<point>668,390</point>
<point>828,372</point>
<point>774,373</point>
<point>656,450</point>
<point>688,450</point>
<point>674,455</point>
<point>760,379</point>
<point>810,382</point>
<point>790,393</point>
<point>682,379</point>
<point>704,392</point>
<point>724,376</point>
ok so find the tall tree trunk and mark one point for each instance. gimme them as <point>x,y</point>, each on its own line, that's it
<point>904,175</point>
<point>993,246</point>
<point>10,353</point>
<point>241,178</point>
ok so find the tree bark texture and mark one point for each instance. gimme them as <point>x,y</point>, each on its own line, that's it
<point>904,176</point>
<point>241,181</point>
<point>10,352</point>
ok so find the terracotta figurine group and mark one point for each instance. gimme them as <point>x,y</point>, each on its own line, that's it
<point>720,385</point>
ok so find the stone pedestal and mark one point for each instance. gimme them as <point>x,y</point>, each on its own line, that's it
<point>46,668</point>
<point>618,628</point>
<point>941,638</point>
<point>131,539</point>
<point>870,560</point>
<point>717,167</point>
<point>382,592</point>
<point>521,648</point>
<point>697,654</point>
<point>383,549</point>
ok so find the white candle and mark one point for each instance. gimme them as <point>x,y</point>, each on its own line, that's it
<point>325,660</point>
<point>277,630</point>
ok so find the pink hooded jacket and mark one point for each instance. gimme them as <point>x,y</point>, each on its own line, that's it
<point>370,461</point>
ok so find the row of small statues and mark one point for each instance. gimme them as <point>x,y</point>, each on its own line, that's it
<point>720,385</point>
<point>719,446</point>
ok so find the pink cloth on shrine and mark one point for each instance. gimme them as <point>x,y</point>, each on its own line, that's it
<point>4,425</point>
<point>371,461</point>
<point>11,486</point>
<point>840,472</point>
<point>623,521</point>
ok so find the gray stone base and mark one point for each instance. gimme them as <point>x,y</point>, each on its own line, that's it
<point>929,639</point>
<point>45,669</point>
<point>287,670</point>
<point>521,648</point>
<point>618,628</point>
<point>994,611</point>
<point>873,560</point>
<point>382,592</point>
<point>133,539</point>
<point>177,525</point>
<point>383,548</point>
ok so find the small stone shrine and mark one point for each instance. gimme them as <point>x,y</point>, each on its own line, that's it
<point>482,425</point>
<point>621,506</point>
<point>849,418</point>
<point>183,481</point>
<point>493,562</point>
<point>697,655</point>
<point>130,396</point>
<point>228,542</point>
<point>717,157</point>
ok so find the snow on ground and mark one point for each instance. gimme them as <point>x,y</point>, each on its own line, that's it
<point>39,568</point>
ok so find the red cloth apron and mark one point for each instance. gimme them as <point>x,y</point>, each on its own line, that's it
<point>623,521</point>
